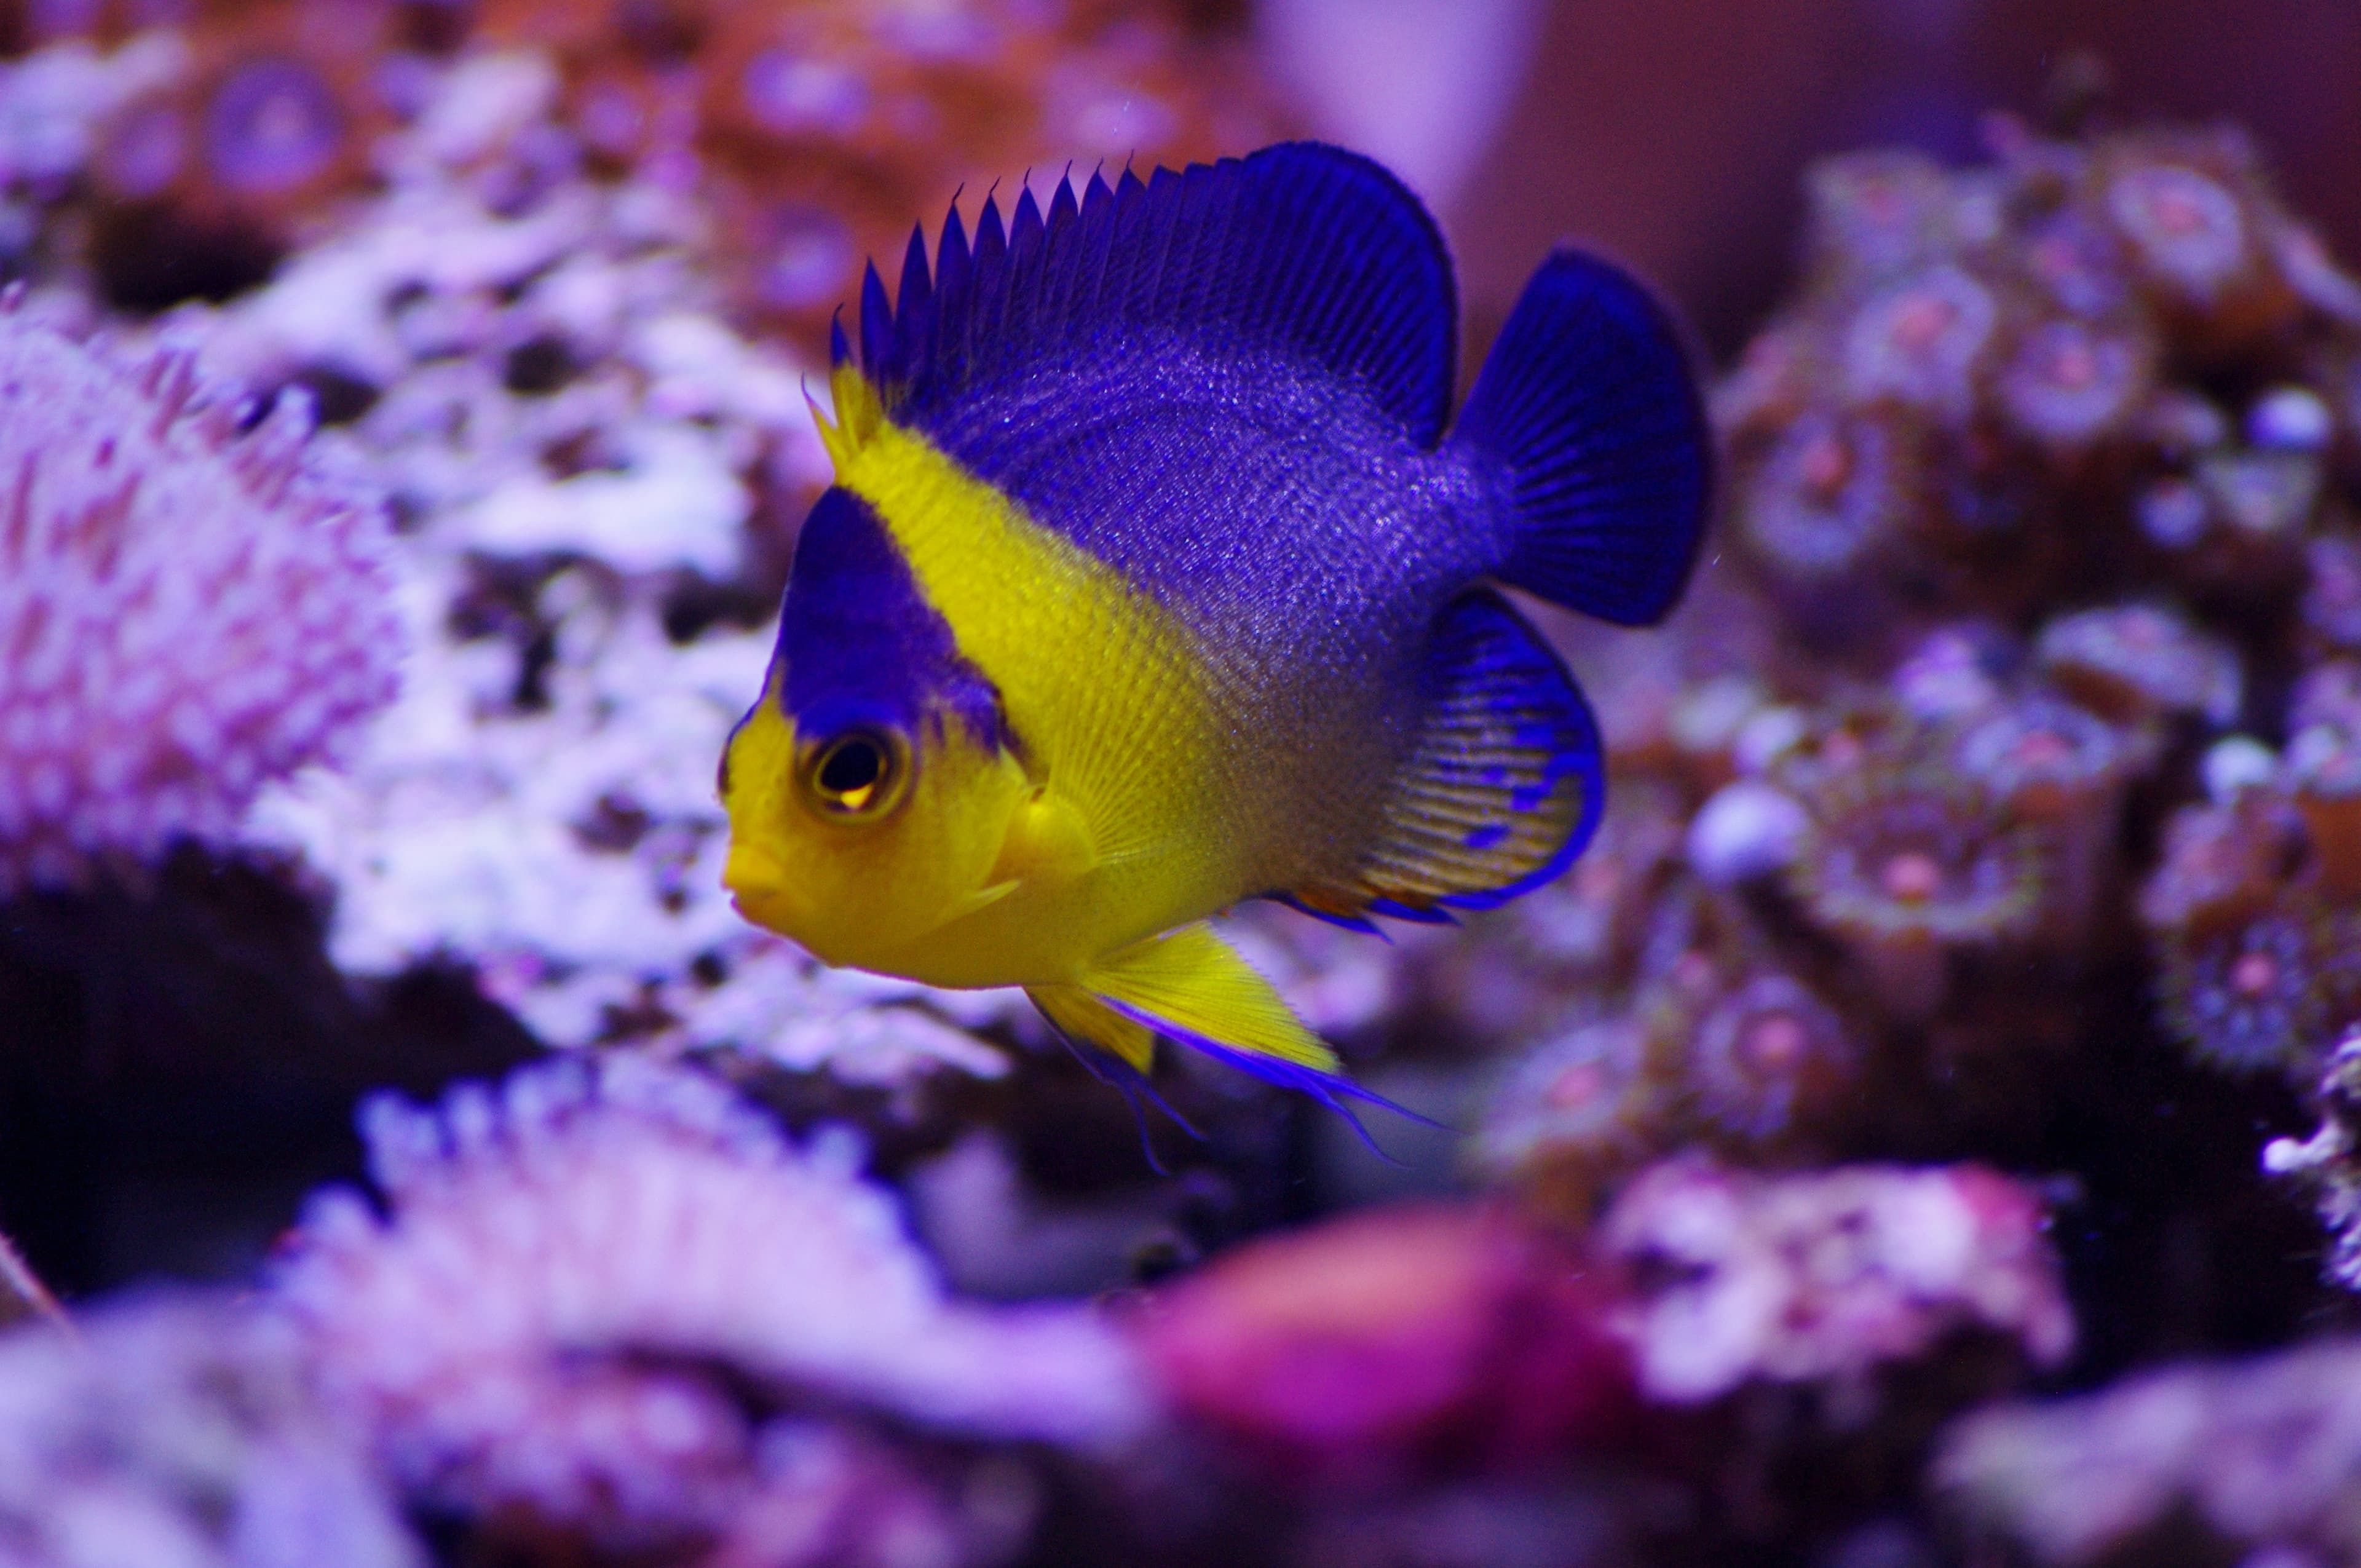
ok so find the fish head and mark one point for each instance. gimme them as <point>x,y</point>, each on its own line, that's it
<point>872,788</point>
<point>857,835</point>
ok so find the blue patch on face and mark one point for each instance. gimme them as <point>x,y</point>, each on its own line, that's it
<point>859,645</point>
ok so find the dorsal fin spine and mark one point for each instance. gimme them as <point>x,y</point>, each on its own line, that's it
<point>990,239</point>
<point>1096,237</point>
<point>876,323</point>
<point>1052,300</point>
<point>954,278</point>
<point>1024,228</point>
<point>1141,288</point>
<point>1301,255</point>
<point>913,309</point>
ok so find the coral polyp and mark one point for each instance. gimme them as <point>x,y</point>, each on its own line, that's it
<point>2265,994</point>
<point>1768,1059</point>
<point>1906,854</point>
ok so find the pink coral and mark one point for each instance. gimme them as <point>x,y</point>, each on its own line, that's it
<point>1827,1275</point>
<point>1394,1340</point>
<point>186,610</point>
<point>538,1322</point>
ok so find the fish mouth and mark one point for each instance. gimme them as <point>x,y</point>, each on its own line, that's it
<point>758,884</point>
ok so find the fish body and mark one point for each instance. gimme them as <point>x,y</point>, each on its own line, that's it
<point>1150,581</point>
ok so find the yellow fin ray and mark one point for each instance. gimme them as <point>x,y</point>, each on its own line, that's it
<point>1082,1017</point>
<point>1191,983</point>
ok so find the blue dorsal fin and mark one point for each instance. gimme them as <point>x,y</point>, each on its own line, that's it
<point>1025,227</point>
<point>991,242</point>
<point>1502,787</point>
<point>1301,259</point>
<point>990,259</point>
<point>876,325</point>
<point>914,308</point>
<point>951,256</point>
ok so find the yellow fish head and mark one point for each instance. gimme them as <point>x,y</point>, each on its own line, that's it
<point>857,837</point>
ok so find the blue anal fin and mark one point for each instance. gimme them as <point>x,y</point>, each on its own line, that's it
<point>1589,412</point>
<point>1502,787</point>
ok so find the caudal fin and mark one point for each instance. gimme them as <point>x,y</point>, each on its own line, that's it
<point>1588,405</point>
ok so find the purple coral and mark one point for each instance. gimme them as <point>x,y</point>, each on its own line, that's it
<point>537,1323</point>
<point>1923,344</point>
<point>1826,493</point>
<point>1573,1112</point>
<point>2141,660</point>
<point>2070,384</point>
<point>2261,1455</point>
<point>180,1431</point>
<point>1827,1275</point>
<point>185,611</point>
<point>272,124</point>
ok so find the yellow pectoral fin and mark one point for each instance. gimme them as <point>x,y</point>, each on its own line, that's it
<point>1082,1017</point>
<point>1048,843</point>
<point>1191,984</point>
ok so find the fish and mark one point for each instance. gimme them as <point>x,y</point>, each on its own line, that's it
<point>1156,576</point>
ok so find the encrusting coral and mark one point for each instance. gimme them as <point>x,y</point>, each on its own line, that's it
<point>189,609</point>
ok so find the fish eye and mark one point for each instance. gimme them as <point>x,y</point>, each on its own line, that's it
<point>859,774</point>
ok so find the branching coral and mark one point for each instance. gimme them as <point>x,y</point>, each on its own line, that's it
<point>187,611</point>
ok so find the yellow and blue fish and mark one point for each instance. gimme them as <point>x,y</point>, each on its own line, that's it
<point>1154,578</point>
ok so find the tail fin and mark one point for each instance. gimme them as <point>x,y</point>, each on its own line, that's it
<point>1588,403</point>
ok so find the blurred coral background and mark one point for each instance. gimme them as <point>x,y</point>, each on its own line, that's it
<point>1670,134</point>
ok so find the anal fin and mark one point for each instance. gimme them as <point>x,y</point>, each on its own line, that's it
<point>1192,987</point>
<point>1502,787</point>
<point>1083,1018</point>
